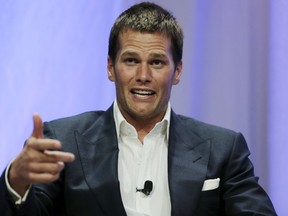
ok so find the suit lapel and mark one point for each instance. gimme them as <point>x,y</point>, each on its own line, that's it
<point>188,157</point>
<point>98,150</point>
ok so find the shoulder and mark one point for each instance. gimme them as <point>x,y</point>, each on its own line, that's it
<point>79,122</point>
<point>223,141</point>
<point>206,131</point>
<point>79,118</point>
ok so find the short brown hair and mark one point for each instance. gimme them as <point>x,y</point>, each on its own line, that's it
<point>147,17</point>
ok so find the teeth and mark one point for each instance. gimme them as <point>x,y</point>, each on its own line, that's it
<point>143,92</point>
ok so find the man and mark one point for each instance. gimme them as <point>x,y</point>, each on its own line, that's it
<point>101,163</point>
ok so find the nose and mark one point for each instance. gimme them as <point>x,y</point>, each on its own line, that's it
<point>144,73</point>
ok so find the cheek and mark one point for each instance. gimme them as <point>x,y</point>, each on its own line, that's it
<point>165,89</point>
<point>165,83</point>
<point>121,82</point>
<point>122,74</point>
<point>118,75</point>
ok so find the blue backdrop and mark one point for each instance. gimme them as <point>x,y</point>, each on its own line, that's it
<point>53,61</point>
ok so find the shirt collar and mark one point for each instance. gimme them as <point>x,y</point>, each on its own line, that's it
<point>119,118</point>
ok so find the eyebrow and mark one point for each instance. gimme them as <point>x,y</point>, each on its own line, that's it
<point>152,55</point>
<point>129,53</point>
<point>158,55</point>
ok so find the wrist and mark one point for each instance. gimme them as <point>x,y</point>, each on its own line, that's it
<point>15,182</point>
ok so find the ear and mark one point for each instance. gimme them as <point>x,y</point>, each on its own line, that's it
<point>178,73</point>
<point>110,69</point>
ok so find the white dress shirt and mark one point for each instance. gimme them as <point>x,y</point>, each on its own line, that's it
<point>139,162</point>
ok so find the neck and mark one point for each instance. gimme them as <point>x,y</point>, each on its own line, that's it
<point>143,125</point>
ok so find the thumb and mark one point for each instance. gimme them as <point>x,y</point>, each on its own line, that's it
<point>37,126</point>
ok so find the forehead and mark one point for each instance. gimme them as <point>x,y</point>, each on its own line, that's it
<point>144,41</point>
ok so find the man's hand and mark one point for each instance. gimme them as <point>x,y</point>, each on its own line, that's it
<point>40,161</point>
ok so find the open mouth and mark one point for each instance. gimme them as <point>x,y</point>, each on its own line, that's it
<point>142,92</point>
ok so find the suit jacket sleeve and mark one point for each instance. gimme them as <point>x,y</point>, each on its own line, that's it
<point>240,191</point>
<point>199,152</point>
<point>38,202</point>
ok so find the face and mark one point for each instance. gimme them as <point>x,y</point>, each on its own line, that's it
<point>144,73</point>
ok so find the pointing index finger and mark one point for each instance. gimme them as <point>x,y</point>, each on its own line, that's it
<point>66,157</point>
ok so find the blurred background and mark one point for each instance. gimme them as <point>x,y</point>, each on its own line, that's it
<point>53,58</point>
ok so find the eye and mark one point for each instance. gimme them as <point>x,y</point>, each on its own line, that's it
<point>131,61</point>
<point>158,63</point>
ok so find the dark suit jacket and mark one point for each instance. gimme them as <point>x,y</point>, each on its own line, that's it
<point>197,151</point>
